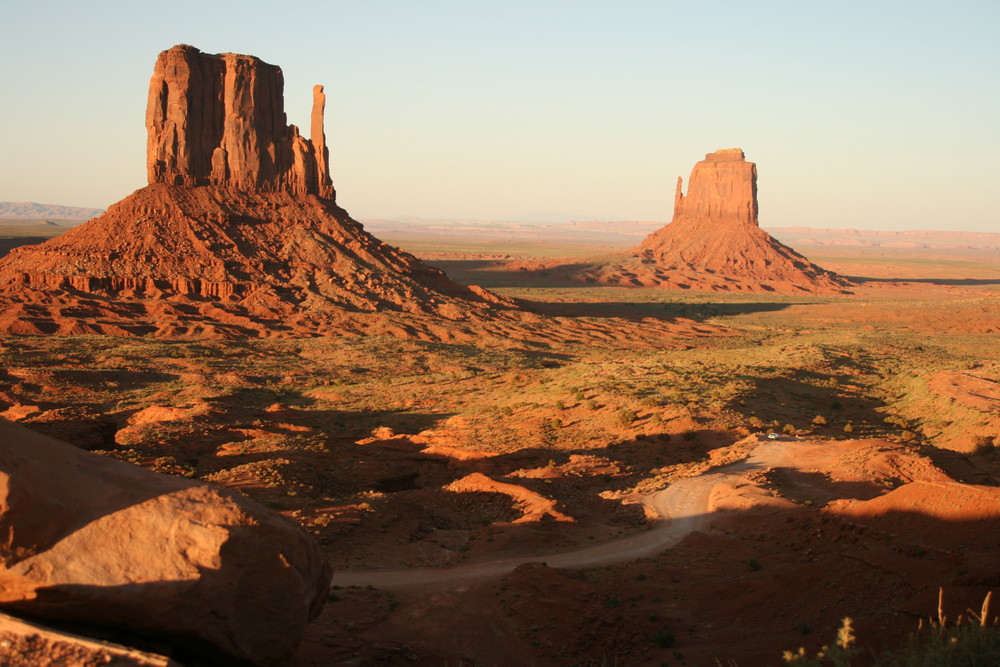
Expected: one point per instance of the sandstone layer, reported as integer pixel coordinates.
(103, 543)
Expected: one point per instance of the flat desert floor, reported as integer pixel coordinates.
(555, 502)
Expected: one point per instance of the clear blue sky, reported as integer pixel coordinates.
(872, 114)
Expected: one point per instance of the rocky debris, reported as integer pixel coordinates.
(220, 120)
(102, 543)
(24, 644)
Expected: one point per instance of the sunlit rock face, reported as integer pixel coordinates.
(220, 120)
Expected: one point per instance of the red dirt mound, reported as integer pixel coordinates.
(172, 259)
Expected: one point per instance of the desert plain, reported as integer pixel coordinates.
(425, 458)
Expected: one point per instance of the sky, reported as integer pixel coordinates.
(874, 114)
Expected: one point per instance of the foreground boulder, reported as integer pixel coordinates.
(103, 543)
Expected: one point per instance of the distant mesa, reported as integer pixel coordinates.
(714, 242)
(33, 211)
(237, 234)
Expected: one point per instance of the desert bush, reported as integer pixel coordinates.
(896, 420)
(819, 420)
(756, 422)
(664, 639)
(626, 417)
(838, 654)
(848, 428)
(972, 641)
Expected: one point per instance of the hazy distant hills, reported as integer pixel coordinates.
(811, 236)
(33, 211)
(629, 233)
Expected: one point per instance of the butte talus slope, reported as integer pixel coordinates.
(237, 233)
(714, 241)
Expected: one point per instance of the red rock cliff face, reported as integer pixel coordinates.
(220, 120)
(723, 187)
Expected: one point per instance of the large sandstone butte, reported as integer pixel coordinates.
(713, 242)
(237, 233)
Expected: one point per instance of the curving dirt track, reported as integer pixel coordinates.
(683, 508)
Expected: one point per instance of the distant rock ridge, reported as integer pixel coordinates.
(220, 120)
(29, 210)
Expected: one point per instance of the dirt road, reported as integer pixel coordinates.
(683, 507)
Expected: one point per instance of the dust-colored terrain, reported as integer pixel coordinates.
(401, 454)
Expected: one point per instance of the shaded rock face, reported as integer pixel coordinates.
(220, 120)
(237, 234)
(99, 542)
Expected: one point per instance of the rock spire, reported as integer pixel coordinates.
(220, 120)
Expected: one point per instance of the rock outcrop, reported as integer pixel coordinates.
(25, 644)
(220, 120)
(714, 242)
(102, 543)
(236, 235)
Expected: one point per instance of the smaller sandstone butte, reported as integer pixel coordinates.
(220, 120)
(714, 242)
(715, 231)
